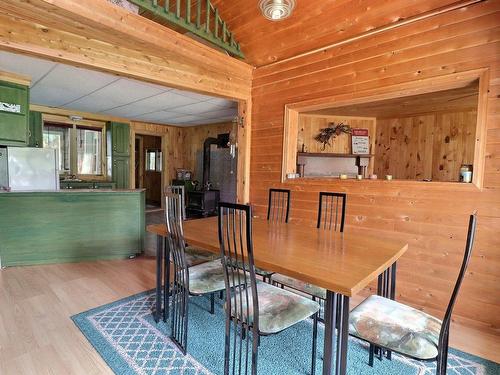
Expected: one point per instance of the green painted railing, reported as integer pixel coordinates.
(198, 16)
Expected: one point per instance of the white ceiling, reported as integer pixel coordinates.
(65, 86)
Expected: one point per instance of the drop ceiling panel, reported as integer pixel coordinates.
(193, 95)
(25, 65)
(116, 94)
(197, 108)
(224, 103)
(151, 104)
(161, 117)
(221, 113)
(65, 86)
(176, 100)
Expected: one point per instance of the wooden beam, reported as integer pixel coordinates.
(15, 78)
(100, 35)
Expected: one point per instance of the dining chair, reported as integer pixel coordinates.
(396, 327)
(278, 211)
(179, 189)
(331, 216)
(194, 254)
(278, 207)
(253, 308)
(196, 280)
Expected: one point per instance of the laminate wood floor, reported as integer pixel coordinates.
(38, 337)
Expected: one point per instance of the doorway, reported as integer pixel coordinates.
(149, 168)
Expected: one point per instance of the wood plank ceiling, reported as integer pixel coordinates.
(311, 25)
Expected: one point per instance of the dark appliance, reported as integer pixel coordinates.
(204, 202)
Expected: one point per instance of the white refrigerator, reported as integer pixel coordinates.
(28, 169)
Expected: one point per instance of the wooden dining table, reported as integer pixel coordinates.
(342, 263)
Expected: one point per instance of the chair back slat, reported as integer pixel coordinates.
(180, 284)
(331, 211)
(179, 189)
(278, 208)
(242, 318)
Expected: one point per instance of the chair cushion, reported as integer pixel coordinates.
(301, 286)
(206, 277)
(278, 308)
(196, 255)
(396, 326)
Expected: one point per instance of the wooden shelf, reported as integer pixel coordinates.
(333, 155)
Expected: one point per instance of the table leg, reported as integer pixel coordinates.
(342, 335)
(166, 286)
(330, 323)
(159, 274)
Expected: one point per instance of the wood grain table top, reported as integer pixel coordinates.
(341, 262)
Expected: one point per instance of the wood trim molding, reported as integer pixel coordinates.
(15, 78)
(446, 82)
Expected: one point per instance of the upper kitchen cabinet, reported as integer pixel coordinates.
(14, 109)
(35, 134)
(120, 135)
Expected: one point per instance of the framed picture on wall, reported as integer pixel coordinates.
(360, 142)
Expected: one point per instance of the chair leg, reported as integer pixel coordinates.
(372, 354)
(442, 359)
(255, 350)
(314, 343)
(212, 303)
(227, 343)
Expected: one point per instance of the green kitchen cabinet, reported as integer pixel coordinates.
(14, 109)
(118, 152)
(120, 138)
(121, 172)
(35, 129)
(104, 185)
(76, 185)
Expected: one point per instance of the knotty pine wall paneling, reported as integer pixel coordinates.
(194, 136)
(432, 217)
(311, 125)
(431, 146)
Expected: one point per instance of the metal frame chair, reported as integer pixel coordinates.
(242, 293)
(331, 216)
(442, 342)
(330, 201)
(179, 189)
(278, 207)
(179, 290)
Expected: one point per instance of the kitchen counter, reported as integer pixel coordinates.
(70, 225)
(70, 191)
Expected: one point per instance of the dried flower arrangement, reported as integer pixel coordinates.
(333, 130)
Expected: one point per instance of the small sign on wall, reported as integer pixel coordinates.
(10, 107)
(360, 142)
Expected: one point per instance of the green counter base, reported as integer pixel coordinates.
(74, 226)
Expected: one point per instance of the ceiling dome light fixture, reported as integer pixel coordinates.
(276, 10)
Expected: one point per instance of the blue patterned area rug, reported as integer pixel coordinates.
(126, 336)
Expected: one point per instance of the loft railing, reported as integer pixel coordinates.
(199, 17)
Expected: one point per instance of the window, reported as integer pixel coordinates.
(153, 160)
(58, 137)
(80, 148)
(89, 148)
